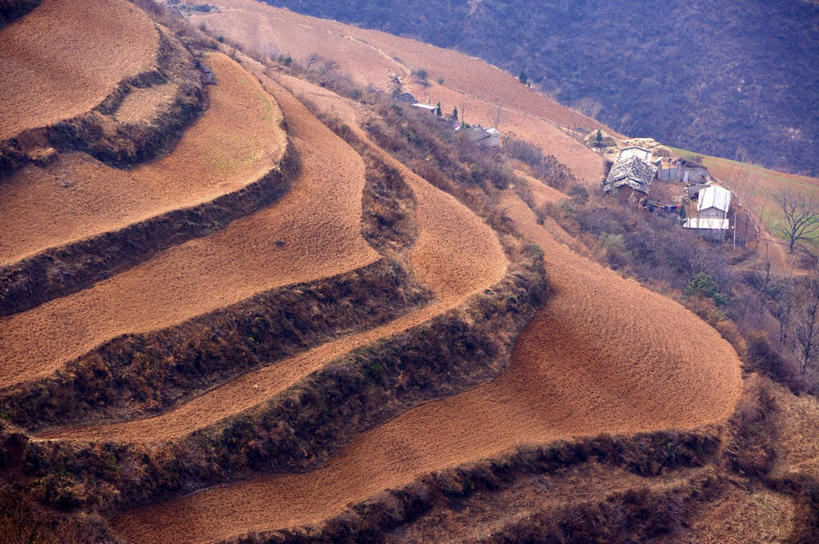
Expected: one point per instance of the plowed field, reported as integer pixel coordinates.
(606, 355)
(456, 255)
(317, 225)
(66, 56)
(79, 196)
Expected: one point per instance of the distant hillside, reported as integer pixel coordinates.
(735, 79)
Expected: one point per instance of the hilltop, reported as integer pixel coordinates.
(736, 80)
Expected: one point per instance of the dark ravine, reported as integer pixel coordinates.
(11, 10)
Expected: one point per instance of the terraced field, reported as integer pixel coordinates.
(79, 197)
(66, 56)
(316, 224)
(477, 89)
(247, 361)
(577, 370)
(448, 234)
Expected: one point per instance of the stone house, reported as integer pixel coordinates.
(631, 169)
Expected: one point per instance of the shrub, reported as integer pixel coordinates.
(579, 194)
(762, 358)
(703, 284)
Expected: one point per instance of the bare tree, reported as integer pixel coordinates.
(801, 218)
(312, 59)
(806, 329)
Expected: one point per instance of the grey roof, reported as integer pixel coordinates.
(477, 132)
(714, 197)
(630, 172)
(635, 151)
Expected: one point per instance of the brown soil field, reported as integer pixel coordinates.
(141, 104)
(371, 57)
(606, 355)
(456, 255)
(78, 196)
(66, 56)
(318, 227)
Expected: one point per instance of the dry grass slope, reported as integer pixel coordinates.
(371, 57)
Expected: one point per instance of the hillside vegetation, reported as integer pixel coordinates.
(735, 80)
(314, 313)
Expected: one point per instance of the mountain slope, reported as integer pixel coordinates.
(724, 79)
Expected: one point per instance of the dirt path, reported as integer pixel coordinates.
(606, 355)
(456, 255)
(66, 56)
(79, 196)
(317, 224)
(476, 88)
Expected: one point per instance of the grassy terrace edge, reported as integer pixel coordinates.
(644, 454)
(134, 375)
(67, 269)
(159, 369)
(129, 144)
(445, 355)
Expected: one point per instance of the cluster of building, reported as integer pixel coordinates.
(635, 170)
(484, 136)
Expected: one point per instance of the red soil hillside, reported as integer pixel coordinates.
(66, 56)
(79, 196)
(317, 224)
(602, 354)
(370, 57)
(606, 355)
(456, 255)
